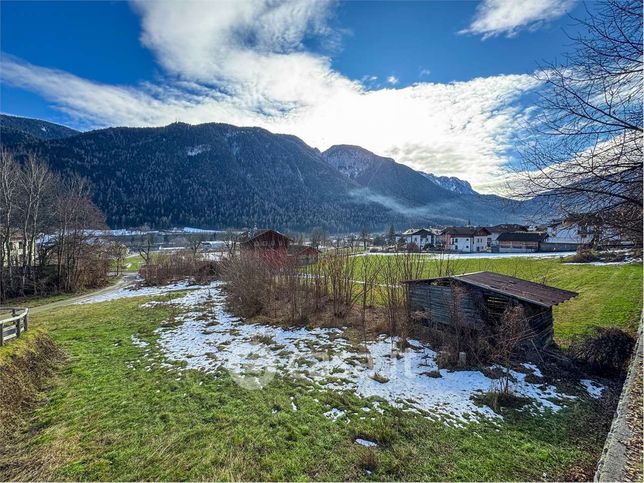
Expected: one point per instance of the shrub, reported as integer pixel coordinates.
(497, 399)
(584, 255)
(604, 351)
(164, 268)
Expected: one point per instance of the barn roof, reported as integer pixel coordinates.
(298, 249)
(532, 292)
(250, 236)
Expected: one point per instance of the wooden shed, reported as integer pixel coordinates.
(481, 298)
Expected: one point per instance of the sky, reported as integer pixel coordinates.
(443, 86)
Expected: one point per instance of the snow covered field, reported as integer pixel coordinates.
(133, 291)
(207, 338)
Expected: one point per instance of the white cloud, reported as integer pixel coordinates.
(392, 79)
(244, 63)
(507, 17)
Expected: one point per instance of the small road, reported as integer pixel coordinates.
(125, 280)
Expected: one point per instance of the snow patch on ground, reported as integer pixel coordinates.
(210, 339)
(366, 443)
(334, 414)
(133, 291)
(594, 389)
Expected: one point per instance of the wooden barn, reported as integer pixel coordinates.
(270, 245)
(481, 298)
(264, 240)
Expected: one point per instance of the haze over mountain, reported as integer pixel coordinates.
(219, 175)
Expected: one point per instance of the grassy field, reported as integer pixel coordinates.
(132, 263)
(609, 295)
(117, 413)
(111, 419)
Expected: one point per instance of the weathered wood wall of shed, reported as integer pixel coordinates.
(443, 305)
(471, 307)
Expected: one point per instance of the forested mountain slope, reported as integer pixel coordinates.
(219, 175)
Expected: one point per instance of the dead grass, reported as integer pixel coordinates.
(26, 372)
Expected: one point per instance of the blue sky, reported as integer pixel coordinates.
(438, 85)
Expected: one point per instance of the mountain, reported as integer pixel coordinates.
(447, 200)
(218, 175)
(451, 183)
(384, 176)
(359, 164)
(17, 130)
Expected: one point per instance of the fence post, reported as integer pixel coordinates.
(17, 328)
(26, 319)
(1, 333)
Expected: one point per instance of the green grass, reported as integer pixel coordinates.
(609, 295)
(111, 419)
(38, 300)
(130, 264)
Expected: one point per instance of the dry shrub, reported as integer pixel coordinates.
(164, 268)
(339, 272)
(247, 281)
(406, 266)
(604, 351)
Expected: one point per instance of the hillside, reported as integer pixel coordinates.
(449, 200)
(17, 130)
(218, 176)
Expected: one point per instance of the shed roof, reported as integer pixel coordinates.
(532, 292)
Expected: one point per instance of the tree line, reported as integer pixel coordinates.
(45, 242)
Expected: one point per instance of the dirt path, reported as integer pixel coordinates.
(125, 280)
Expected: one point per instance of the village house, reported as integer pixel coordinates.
(519, 242)
(496, 230)
(466, 239)
(568, 235)
(15, 250)
(421, 237)
(479, 300)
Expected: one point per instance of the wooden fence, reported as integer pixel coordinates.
(13, 322)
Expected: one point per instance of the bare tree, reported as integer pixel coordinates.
(584, 154)
(195, 242)
(117, 252)
(230, 242)
(9, 173)
(364, 238)
(146, 249)
(37, 187)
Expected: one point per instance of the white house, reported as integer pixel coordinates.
(570, 233)
(419, 237)
(467, 239)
